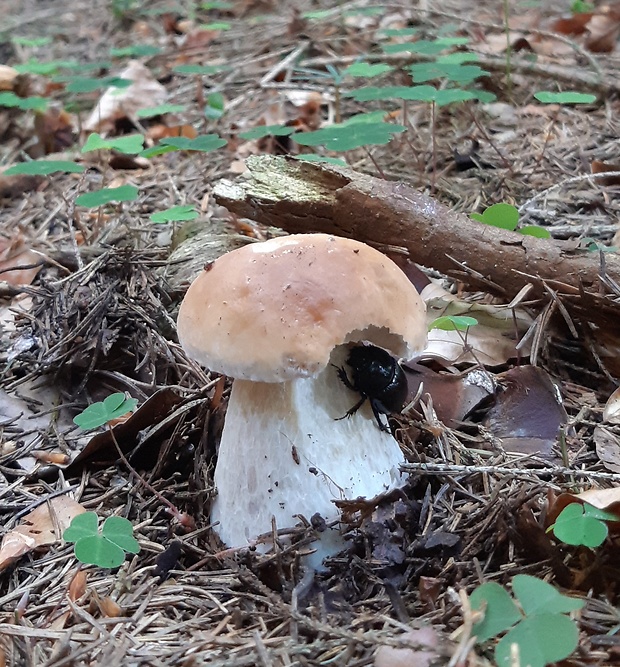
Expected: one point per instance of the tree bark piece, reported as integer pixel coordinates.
(301, 196)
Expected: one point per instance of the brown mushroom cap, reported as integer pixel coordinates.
(275, 310)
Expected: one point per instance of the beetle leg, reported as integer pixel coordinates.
(344, 378)
(353, 410)
(377, 413)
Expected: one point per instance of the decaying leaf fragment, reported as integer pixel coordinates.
(528, 412)
(43, 526)
(144, 92)
(15, 254)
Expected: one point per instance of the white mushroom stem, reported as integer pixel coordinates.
(284, 453)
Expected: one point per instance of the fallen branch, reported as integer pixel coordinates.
(304, 197)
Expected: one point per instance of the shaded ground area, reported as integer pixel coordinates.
(100, 318)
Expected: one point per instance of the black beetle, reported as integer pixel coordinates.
(378, 377)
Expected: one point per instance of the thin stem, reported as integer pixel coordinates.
(508, 46)
(181, 517)
(434, 144)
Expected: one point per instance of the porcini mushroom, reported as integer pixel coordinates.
(279, 317)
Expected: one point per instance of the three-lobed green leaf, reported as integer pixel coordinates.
(175, 214)
(582, 525)
(346, 137)
(107, 195)
(106, 548)
(100, 413)
(540, 630)
(45, 167)
(129, 144)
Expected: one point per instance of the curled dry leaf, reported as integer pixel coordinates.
(14, 253)
(454, 395)
(611, 411)
(7, 77)
(607, 448)
(12, 187)
(116, 103)
(603, 30)
(599, 167)
(43, 526)
(55, 131)
(77, 587)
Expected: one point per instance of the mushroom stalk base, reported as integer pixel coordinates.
(284, 453)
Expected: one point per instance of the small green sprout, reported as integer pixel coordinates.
(198, 69)
(426, 47)
(347, 136)
(506, 216)
(325, 159)
(107, 195)
(175, 214)
(367, 70)
(129, 144)
(566, 97)
(35, 103)
(214, 108)
(160, 110)
(216, 25)
(453, 323)
(261, 131)
(203, 143)
(135, 51)
(45, 167)
(581, 7)
(84, 84)
(102, 412)
(31, 42)
(582, 525)
(106, 548)
(538, 626)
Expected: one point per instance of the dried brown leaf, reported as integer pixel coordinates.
(14, 253)
(116, 103)
(39, 528)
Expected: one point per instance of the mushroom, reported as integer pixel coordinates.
(279, 317)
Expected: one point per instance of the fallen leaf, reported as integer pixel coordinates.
(528, 412)
(116, 103)
(573, 24)
(607, 448)
(603, 31)
(12, 187)
(39, 528)
(492, 341)
(454, 394)
(54, 130)
(14, 253)
(77, 587)
(599, 167)
(158, 132)
(109, 608)
(611, 411)
(424, 650)
(7, 77)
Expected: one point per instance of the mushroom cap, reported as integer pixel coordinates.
(275, 310)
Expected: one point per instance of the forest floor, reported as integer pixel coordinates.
(94, 313)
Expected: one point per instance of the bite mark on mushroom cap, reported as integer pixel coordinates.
(273, 316)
